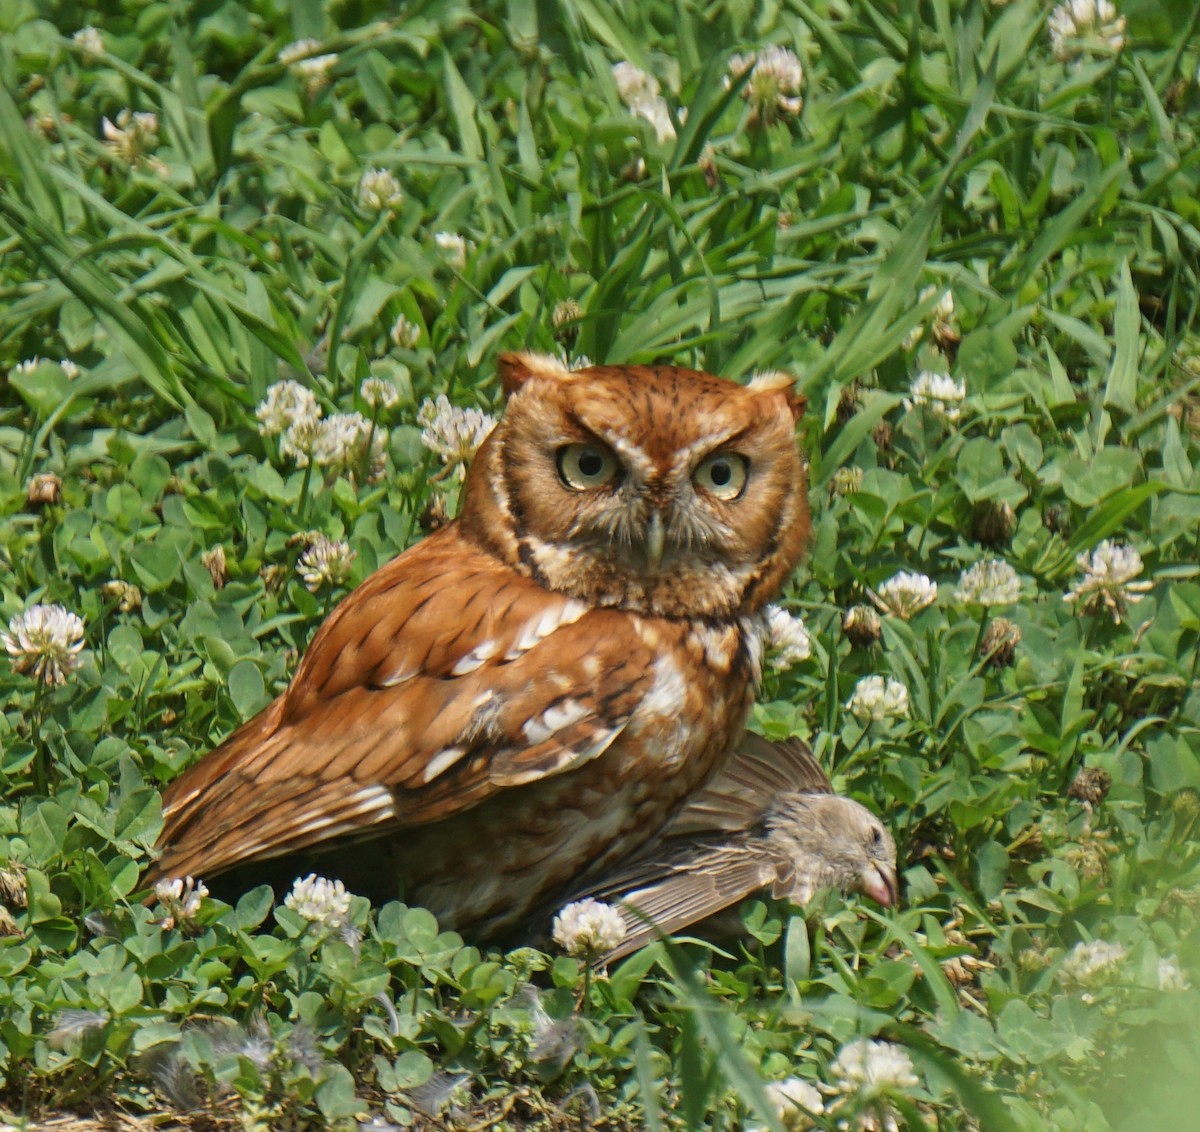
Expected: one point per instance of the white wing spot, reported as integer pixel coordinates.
(442, 762)
(476, 658)
(398, 676)
(369, 805)
(555, 719)
(537, 629)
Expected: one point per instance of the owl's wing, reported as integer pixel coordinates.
(664, 894)
(442, 679)
(754, 776)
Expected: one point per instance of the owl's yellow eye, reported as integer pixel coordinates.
(723, 474)
(584, 466)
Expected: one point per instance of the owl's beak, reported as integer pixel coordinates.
(878, 881)
(655, 540)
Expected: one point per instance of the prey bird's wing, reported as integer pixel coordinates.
(444, 678)
(664, 894)
(717, 850)
(755, 776)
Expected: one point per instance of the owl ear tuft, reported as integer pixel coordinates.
(775, 381)
(518, 368)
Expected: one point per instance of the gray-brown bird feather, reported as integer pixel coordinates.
(770, 820)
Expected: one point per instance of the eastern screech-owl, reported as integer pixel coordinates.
(534, 690)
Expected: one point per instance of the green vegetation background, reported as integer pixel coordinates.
(941, 145)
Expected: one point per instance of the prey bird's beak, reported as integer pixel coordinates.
(655, 540)
(878, 881)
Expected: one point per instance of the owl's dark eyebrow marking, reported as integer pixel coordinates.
(573, 419)
(731, 441)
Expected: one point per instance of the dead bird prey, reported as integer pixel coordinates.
(769, 819)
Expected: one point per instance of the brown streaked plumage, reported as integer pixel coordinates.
(539, 686)
(769, 820)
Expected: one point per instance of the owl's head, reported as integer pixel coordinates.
(650, 488)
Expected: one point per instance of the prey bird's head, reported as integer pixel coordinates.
(835, 843)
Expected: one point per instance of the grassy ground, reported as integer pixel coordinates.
(159, 274)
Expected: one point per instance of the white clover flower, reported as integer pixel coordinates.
(876, 699)
(939, 392)
(285, 403)
(378, 190)
(588, 927)
(454, 247)
(1079, 26)
(404, 334)
(180, 899)
(1108, 579)
(366, 447)
(91, 40)
(871, 1067)
(378, 394)
(132, 136)
(320, 901)
(792, 1100)
(300, 49)
(773, 89)
(311, 69)
(788, 636)
(1087, 964)
(640, 92)
(943, 309)
(658, 114)
(633, 83)
(451, 433)
(326, 562)
(905, 594)
(990, 582)
(45, 641)
(342, 442)
(1170, 976)
(941, 317)
(68, 367)
(339, 442)
(302, 441)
